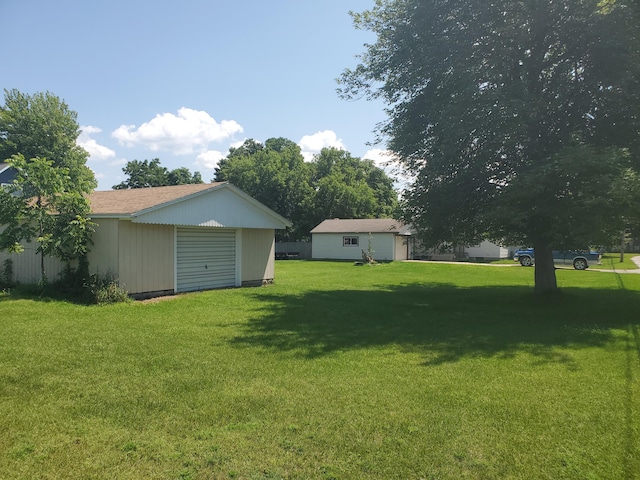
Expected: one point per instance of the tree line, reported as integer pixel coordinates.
(334, 185)
(149, 173)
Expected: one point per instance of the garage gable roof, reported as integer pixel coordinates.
(214, 204)
(130, 201)
(362, 225)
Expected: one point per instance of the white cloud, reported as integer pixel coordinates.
(313, 144)
(96, 151)
(239, 143)
(182, 134)
(89, 129)
(209, 159)
(382, 158)
(387, 161)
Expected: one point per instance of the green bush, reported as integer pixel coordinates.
(106, 289)
(72, 282)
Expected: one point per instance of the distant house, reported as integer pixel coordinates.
(7, 174)
(481, 252)
(181, 238)
(487, 250)
(343, 239)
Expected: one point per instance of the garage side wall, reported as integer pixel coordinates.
(258, 256)
(402, 248)
(103, 254)
(487, 250)
(146, 257)
(26, 265)
(332, 246)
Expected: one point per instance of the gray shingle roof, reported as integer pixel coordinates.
(362, 225)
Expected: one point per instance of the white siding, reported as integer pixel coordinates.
(258, 253)
(26, 265)
(220, 208)
(103, 257)
(145, 257)
(330, 246)
(205, 259)
(103, 254)
(401, 247)
(487, 249)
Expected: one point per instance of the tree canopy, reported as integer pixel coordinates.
(43, 126)
(46, 201)
(152, 174)
(516, 120)
(334, 184)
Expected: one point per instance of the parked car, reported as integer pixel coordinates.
(578, 258)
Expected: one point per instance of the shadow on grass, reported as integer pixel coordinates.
(443, 322)
(49, 294)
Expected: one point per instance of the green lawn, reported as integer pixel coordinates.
(611, 261)
(395, 371)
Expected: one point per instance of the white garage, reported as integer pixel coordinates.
(347, 239)
(164, 240)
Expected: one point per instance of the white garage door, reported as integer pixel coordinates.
(206, 259)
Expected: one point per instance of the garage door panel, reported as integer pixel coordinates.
(206, 259)
(201, 259)
(206, 255)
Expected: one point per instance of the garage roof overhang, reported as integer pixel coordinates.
(204, 205)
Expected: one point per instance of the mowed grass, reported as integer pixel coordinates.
(395, 371)
(611, 261)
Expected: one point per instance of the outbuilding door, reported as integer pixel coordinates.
(206, 259)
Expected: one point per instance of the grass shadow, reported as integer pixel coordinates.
(443, 322)
(49, 294)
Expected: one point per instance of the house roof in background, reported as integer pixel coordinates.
(128, 202)
(362, 225)
(7, 173)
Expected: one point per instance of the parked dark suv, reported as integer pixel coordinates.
(578, 258)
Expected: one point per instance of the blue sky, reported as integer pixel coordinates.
(184, 81)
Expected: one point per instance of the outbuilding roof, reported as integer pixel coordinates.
(205, 204)
(362, 225)
(128, 202)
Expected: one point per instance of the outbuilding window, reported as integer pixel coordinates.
(350, 241)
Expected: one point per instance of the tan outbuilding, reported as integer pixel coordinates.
(183, 238)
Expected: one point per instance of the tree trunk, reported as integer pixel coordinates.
(545, 271)
(622, 242)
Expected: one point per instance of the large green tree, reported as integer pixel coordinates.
(348, 187)
(516, 119)
(47, 202)
(334, 184)
(276, 175)
(149, 173)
